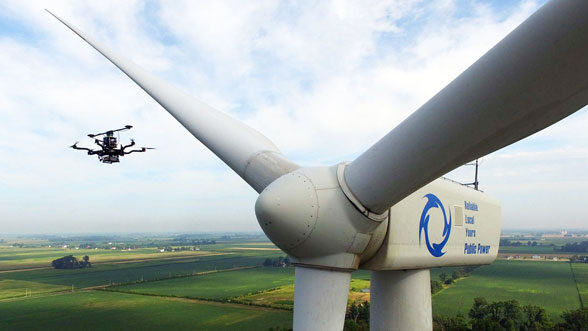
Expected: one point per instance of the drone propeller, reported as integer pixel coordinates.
(127, 127)
(74, 145)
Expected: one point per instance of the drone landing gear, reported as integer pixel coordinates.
(108, 159)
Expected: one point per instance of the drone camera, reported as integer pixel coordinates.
(109, 142)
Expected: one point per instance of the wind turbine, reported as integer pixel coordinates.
(388, 211)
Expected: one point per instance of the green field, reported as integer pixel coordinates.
(546, 284)
(529, 250)
(100, 310)
(220, 285)
(581, 273)
(19, 288)
(104, 274)
(20, 258)
(164, 290)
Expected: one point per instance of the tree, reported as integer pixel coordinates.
(357, 317)
(70, 262)
(66, 262)
(436, 286)
(536, 318)
(575, 319)
(358, 311)
(477, 311)
(457, 274)
(456, 323)
(443, 277)
(87, 263)
(507, 315)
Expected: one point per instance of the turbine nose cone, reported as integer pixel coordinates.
(287, 210)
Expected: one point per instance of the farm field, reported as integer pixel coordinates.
(220, 285)
(10, 288)
(529, 250)
(581, 274)
(283, 297)
(17, 258)
(102, 310)
(106, 274)
(188, 291)
(547, 284)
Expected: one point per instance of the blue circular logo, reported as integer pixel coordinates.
(434, 248)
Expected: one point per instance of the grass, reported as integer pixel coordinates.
(101, 310)
(546, 284)
(221, 285)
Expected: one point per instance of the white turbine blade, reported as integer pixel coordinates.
(250, 154)
(534, 77)
(320, 299)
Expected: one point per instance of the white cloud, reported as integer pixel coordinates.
(323, 80)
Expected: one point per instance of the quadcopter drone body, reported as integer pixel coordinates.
(110, 150)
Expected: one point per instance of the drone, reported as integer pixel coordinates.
(110, 152)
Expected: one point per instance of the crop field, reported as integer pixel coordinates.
(18, 288)
(102, 310)
(17, 258)
(581, 274)
(529, 250)
(547, 284)
(226, 287)
(220, 285)
(105, 274)
(283, 297)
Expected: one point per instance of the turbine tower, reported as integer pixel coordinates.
(388, 211)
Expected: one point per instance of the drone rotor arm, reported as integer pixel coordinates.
(134, 151)
(75, 146)
(129, 145)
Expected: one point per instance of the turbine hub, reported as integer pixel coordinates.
(306, 214)
(287, 210)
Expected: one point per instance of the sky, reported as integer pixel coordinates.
(324, 80)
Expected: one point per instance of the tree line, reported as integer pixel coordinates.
(448, 279)
(484, 315)
(281, 261)
(577, 247)
(508, 242)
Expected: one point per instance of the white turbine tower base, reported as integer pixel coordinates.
(320, 296)
(401, 300)
(388, 210)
